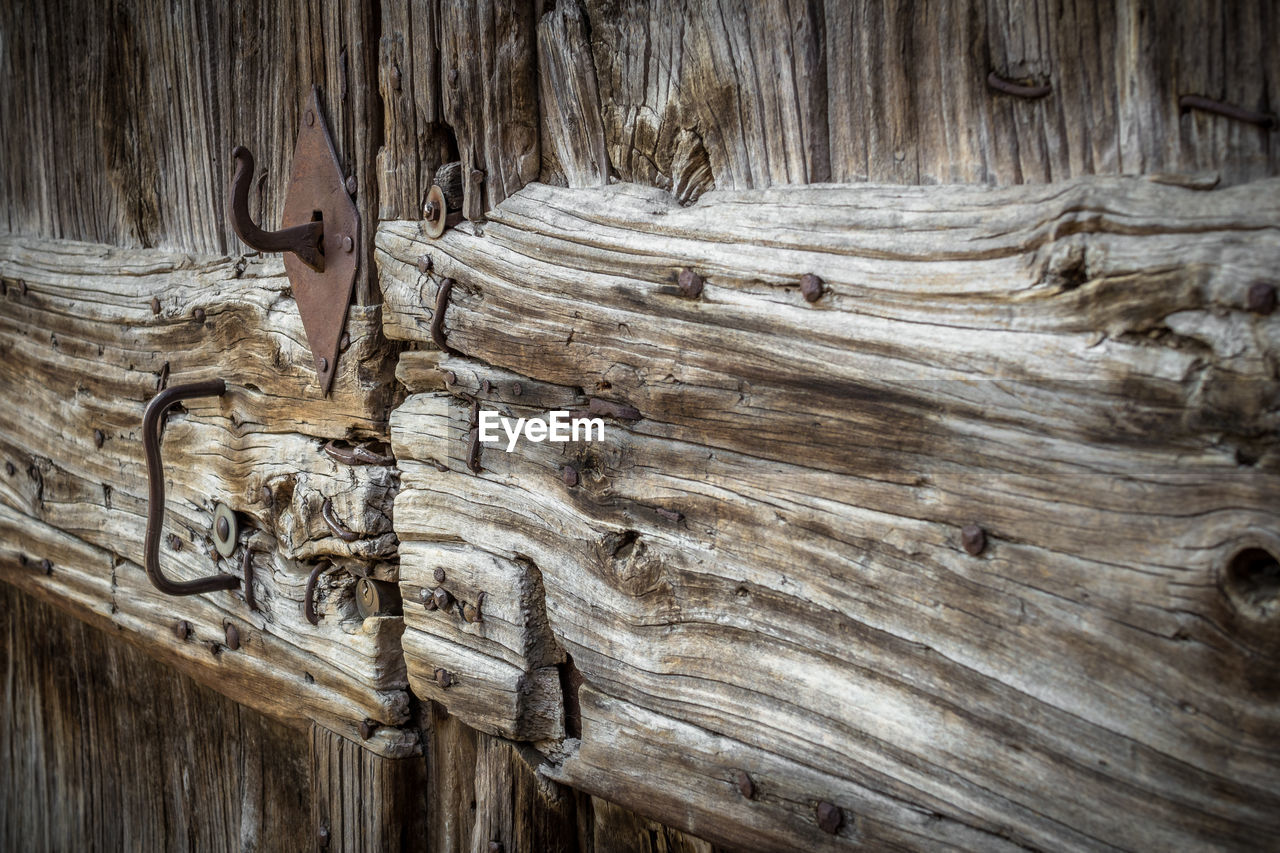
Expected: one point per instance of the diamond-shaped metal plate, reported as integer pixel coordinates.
(317, 189)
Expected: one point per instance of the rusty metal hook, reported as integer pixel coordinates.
(305, 241)
(151, 420)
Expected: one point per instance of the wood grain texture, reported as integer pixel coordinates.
(763, 570)
(573, 148)
(138, 105)
(103, 748)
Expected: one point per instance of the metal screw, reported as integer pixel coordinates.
(344, 342)
(367, 728)
(517, 389)
(570, 475)
(98, 438)
(351, 184)
(233, 637)
(973, 538)
(439, 574)
(830, 818)
(395, 77)
(443, 598)
(10, 469)
(324, 364)
(348, 244)
(311, 118)
(746, 787)
(182, 630)
(443, 677)
(427, 599)
(155, 305)
(810, 287)
(224, 529)
(477, 176)
(46, 566)
(690, 283)
(424, 261)
(1262, 298)
(198, 314)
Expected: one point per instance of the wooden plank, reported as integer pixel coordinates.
(146, 160)
(103, 748)
(573, 144)
(769, 551)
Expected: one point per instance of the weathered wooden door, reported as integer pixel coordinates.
(935, 354)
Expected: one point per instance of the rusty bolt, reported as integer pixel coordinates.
(324, 364)
(690, 283)
(438, 574)
(46, 566)
(344, 342)
(198, 314)
(427, 599)
(233, 637)
(155, 305)
(10, 469)
(746, 787)
(973, 538)
(477, 176)
(351, 184)
(348, 244)
(98, 438)
(182, 630)
(424, 263)
(443, 677)
(367, 728)
(1262, 298)
(830, 818)
(471, 612)
(442, 597)
(570, 475)
(224, 529)
(395, 77)
(322, 834)
(810, 287)
(311, 118)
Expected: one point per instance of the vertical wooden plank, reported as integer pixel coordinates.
(516, 807)
(573, 147)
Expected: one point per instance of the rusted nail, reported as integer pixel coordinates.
(309, 598)
(516, 389)
(438, 574)
(486, 387)
(477, 176)
(214, 648)
(690, 283)
(367, 728)
(1008, 87)
(570, 475)
(1266, 121)
(339, 530)
(311, 118)
(98, 438)
(473, 446)
(324, 364)
(424, 261)
(471, 612)
(46, 566)
(746, 787)
(223, 527)
(10, 469)
(1262, 298)
(442, 598)
(351, 185)
(810, 287)
(670, 514)
(344, 342)
(610, 409)
(246, 570)
(830, 817)
(428, 600)
(443, 677)
(450, 377)
(155, 305)
(395, 77)
(356, 455)
(175, 544)
(162, 378)
(198, 315)
(182, 630)
(973, 538)
(322, 834)
(437, 319)
(233, 636)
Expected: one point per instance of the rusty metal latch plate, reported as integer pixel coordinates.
(317, 190)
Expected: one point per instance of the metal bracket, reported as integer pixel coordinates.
(321, 261)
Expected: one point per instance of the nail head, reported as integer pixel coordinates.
(477, 176)
(46, 566)
(348, 244)
(424, 261)
(570, 475)
(98, 438)
(438, 574)
(367, 728)
(442, 597)
(324, 364)
(746, 787)
(830, 817)
(10, 469)
(344, 342)
(155, 305)
(1262, 298)
(973, 538)
(351, 184)
(690, 283)
(311, 118)
(198, 314)
(233, 637)
(443, 677)
(182, 630)
(811, 287)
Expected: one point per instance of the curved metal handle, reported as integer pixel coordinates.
(305, 240)
(151, 419)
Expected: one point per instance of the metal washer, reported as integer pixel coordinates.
(224, 545)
